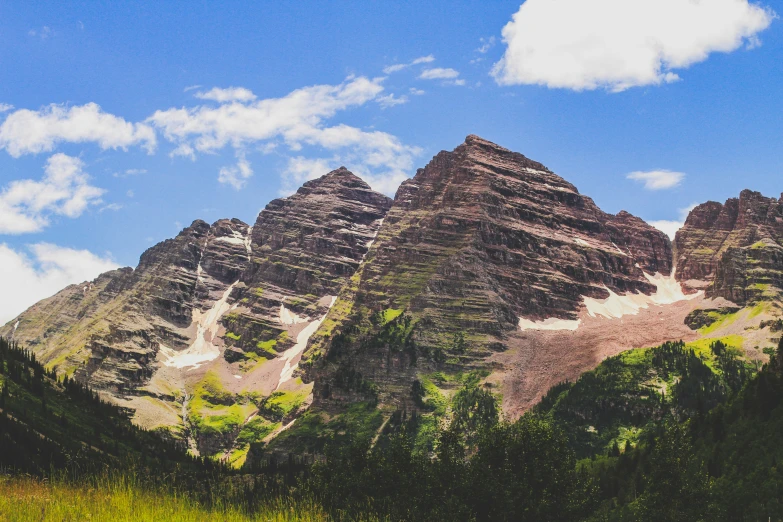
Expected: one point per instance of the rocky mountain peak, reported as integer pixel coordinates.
(337, 179)
(477, 241)
(734, 249)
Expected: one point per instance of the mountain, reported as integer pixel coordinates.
(340, 311)
(212, 321)
(490, 264)
(735, 249)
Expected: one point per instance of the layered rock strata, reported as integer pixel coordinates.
(735, 249)
(212, 322)
(479, 240)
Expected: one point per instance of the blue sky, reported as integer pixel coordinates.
(133, 120)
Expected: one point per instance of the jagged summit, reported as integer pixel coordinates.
(734, 249)
(340, 178)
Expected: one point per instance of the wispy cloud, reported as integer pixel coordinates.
(43, 33)
(439, 73)
(390, 100)
(129, 172)
(389, 69)
(229, 94)
(657, 179)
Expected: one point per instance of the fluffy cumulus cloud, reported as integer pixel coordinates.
(41, 271)
(27, 205)
(618, 44)
(657, 179)
(230, 118)
(297, 120)
(30, 132)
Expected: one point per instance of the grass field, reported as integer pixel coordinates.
(117, 499)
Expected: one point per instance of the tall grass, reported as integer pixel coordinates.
(118, 498)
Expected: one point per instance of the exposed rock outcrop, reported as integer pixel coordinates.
(479, 238)
(734, 249)
(214, 312)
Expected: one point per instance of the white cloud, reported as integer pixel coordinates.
(302, 169)
(486, 44)
(617, 44)
(237, 175)
(416, 92)
(670, 227)
(130, 194)
(439, 73)
(297, 119)
(26, 279)
(31, 132)
(390, 100)
(191, 88)
(657, 179)
(43, 33)
(26, 205)
(5, 107)
(111, 206)
(228, 94)
(129, 172)
(389, 69)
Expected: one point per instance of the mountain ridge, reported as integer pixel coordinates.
(485, 263)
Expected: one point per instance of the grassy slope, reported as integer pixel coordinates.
(615, 402)
(23, 499)
(49, 424)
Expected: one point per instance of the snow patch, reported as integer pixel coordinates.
(581, 242)
(249, 240)
(667, 291)
(236, 239)
(202, 349)
(288, 317)
(16, 325)
(620, 251)
(552, 323)
(237, 376)
(375, 235)
(301, 343)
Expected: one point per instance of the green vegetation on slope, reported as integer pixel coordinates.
(117, 499)
(610, 406)
(46, 424)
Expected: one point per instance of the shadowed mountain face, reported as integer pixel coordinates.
(735, 249)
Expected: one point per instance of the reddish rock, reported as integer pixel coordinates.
(735, 248)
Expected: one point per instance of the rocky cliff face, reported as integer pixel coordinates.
(209, 323)
(734, 250)
(479, 240)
